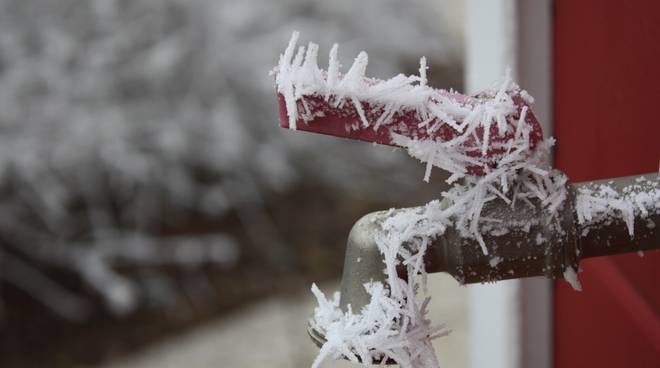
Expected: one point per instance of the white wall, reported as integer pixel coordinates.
(511, 321)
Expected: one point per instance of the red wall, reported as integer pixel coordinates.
(607, 124)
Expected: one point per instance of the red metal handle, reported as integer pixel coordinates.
(321, 116)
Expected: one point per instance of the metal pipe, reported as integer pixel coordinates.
(613, 237)
(543, 249)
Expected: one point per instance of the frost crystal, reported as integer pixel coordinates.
(571, 277)
(492, 146)
(601, 204)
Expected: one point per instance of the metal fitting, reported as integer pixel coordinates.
(545, 248)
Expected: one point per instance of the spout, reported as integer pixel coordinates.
(363, 262)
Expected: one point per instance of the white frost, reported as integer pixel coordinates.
(379, 331)
(297, 77)
(601, 204)
(572, 278)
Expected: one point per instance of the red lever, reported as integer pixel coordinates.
(483, 128)
(345, 121)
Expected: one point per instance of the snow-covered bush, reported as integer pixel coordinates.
(119, 119)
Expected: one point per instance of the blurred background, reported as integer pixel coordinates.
(152, 213)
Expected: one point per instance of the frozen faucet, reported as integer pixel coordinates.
(491, 139)
(543, 250)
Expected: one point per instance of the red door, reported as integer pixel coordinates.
(607, 124)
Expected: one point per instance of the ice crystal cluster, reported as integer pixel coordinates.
(601, 204)
(393, 325)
